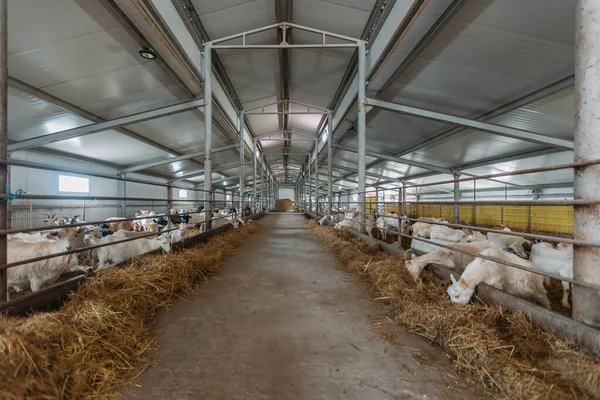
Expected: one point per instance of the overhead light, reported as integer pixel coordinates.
(148, 54)
(352, 129)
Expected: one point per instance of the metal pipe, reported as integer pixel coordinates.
(317, 175)
(329, 159)
(456, 197)
(586, 186)
(27, 164)
(309, 182)
(362, 134)
(105, 125)
(475, 124)
(254, 177)
(403, 198)
(170, 160)
(169, 205)
(262, 183)
(3, 146)
(242, 161)
(208, 108)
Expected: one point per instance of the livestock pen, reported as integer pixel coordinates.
(450, 146)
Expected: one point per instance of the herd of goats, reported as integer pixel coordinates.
(496, 250)
(111, 242)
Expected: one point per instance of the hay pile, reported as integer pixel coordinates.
(499, 352)
(283, 205)
(101, 337)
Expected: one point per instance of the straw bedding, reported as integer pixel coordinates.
(101, 338)
(499, 352)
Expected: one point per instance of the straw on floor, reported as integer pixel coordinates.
(101, 338)
(501, 353)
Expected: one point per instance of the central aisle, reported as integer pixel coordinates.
(283, 321)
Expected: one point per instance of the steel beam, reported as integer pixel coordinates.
(513, 105)
(586, 227)
(329, 159)
(400, 160)
(201, 173)
(4, 169)
(473, 124)
(362, 135)
(284, 26)
(242, 151)
(208, 120)
(83, 113)
(106, 125)
(151, 164)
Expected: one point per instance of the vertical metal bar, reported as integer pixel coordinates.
(262, 183)
(208, 108)
(456, 197)
(3, 146)
(169, 205)
(122, 191)
(586, 302)
(242, 161)
(317, 175)
(255, 163)
(474, 203)
(404, 198)
(377, 200)
(329, 159)
(362, 134)
(309, 182)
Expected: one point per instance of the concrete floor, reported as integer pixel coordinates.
(283, 321)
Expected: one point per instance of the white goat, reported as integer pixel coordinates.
(446, 257)
(557, 260)
(46, 271)
(421, 229)
(444, 233)
(508, 242)
(385, 223)
(119, 252)
(512, 280)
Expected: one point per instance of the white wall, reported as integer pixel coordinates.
(26, 213)
(286, 193)
(31, 213)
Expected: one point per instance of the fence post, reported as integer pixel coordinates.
(586, 226)
(3, 147)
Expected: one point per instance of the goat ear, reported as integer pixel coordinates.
(413, 256)
(452, 278)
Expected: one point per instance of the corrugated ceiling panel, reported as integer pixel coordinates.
(121, 149)
(343, 18)
(220, 20)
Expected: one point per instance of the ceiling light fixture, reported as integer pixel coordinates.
(148, 54)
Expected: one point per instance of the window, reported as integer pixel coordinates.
(73, 184)
(183, 193)
(325, 135)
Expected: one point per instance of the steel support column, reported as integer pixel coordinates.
(317, 175)
(309, 182)
(329, 159)
(3, 146)
(362, 134)
(254, 177)
(208, 108)
(262, 183)
(242, 161)
(586, 302)
(456, 197)
(404, 198)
